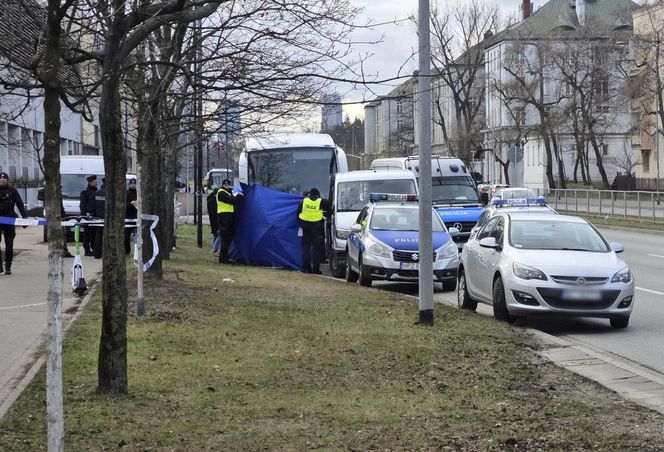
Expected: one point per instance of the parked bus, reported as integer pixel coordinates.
(291, 162)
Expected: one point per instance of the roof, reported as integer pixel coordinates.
(282, 140)
(373, 175)
(405, 89)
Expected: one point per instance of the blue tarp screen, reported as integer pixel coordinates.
(266, 229)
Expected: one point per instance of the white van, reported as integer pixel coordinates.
(349, 193)
(74, 171)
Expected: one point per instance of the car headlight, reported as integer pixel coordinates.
(450, 249)
(526, 272)
(623, 276)
(343, 233)
(375, 247)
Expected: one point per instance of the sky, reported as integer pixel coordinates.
(389, 58)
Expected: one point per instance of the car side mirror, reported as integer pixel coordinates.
(454, 232)
(489, 242)
(356, 228)
(40, 194)
(617, 247)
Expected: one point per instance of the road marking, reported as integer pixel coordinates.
(22, 306)
(656, 255)
(649, 291)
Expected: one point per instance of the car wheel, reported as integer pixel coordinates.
(499, 304)
(464, 300)
(336, 269)
(351, 276)
(365, 279)
(449, 286)
(619, 322)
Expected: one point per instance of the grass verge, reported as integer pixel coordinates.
(240, 358)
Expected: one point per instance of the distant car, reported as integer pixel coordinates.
(514, 193)
(541, 264)
(484, 188)
(497, 187)
(534, 205)
(384, 244)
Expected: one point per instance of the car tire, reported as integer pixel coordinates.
(365, 279)
(449, 286)
(619, 323)
(336, 269)
(464, 300)
(499, 304)
(351, 276)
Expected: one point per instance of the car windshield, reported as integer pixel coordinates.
(401, 219)
(352, 196)
(453, 190)
(556, 235)
(74, 184)
(516, 193)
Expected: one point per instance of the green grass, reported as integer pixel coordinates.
(280, 360)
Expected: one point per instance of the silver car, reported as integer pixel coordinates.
(528, 264)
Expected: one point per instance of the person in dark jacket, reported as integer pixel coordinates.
(130, 213)
(98, 212)
(87, 207)
(214, 219)
(311, 215)
(9, 200)
(226, 203)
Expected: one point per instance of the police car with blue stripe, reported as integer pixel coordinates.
(384, 243)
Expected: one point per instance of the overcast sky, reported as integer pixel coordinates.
(387, 58)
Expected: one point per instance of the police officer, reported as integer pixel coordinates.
(130, 213)
(226, 203)
(310, 215)
(9, 199)
(214, 219)
(98, 211)
(87, 207)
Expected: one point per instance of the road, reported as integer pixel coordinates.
(642, 341)
(23, 305)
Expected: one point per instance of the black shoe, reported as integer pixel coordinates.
(8, 270)
(89, 253)
(317, 272)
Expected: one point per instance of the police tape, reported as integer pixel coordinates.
(96, 222)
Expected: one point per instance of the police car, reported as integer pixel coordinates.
(384, 243)
(497, 205)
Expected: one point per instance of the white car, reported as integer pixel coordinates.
(528, 264)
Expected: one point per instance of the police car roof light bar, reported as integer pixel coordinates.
(540, 201)
(376, 197)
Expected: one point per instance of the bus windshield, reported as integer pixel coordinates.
(293, 170)
(454, 190)
(353, 195)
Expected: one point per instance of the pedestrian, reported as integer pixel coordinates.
(98, 212)
(87, 208)
(131, 213)
(214, 219)
(310, 216)
(9, 201)
(226, 203)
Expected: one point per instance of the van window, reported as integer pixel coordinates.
(74, 184)
(454, 190)
(352, 196)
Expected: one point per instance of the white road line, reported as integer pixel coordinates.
(656, 255)
(649, 291)
(22, 306)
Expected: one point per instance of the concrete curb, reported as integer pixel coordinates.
(30, 375)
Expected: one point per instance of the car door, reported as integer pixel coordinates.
(490, 259)
(355, 239)
(477, 279)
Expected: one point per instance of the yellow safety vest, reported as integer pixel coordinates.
(311, 210)
(224, 207)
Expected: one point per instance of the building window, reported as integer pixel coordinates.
(605, 150)
(36, 173)
(645, 160)
(399, 107)
(520, 116)
(24, 173)
(12, 173)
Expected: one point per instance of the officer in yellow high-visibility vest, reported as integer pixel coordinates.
(226, 203)
(311, 217)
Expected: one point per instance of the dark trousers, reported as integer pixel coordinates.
(127, 239)
(312, 244)
(89, 240)
(9, 232)
(226, 233)
(99, 238)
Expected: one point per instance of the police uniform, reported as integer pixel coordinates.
(98, 211)
(310, 215)
(87, 208)
(226, 203)
(130, 213)
(9, 199)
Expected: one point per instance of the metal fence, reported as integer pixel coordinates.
(634, 205)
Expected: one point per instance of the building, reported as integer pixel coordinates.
(331, 112)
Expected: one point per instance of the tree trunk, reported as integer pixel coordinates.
(112, 366)
(599, 160)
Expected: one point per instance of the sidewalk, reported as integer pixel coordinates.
(23, 306)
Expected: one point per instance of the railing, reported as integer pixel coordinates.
(632, 205)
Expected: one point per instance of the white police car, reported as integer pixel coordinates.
(384, 243)
(497, 205)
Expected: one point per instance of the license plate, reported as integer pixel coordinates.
(581, 295)
(409, 266)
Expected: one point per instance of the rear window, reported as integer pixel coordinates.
(352, 196)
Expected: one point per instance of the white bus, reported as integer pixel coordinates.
(291, 162)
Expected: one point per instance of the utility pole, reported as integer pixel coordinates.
(140, 300)
(426, 246)
(199, 142)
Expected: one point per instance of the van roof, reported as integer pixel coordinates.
(373, 175)
(82, 164)
(283, 140)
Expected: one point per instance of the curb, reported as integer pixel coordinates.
(30, 375)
